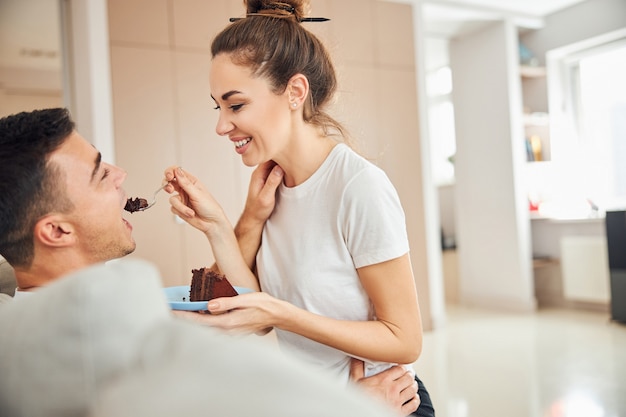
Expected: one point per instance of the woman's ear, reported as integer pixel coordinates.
(52, 230)
(298, 88)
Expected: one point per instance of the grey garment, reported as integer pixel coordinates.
(7, 278)
(61, 344)
(103, 342)
(191, 371)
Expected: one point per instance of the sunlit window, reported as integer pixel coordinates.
(588, 119)
(441, 124)
(601, 109)
(439, 82)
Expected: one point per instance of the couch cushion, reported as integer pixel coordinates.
(187, 370)
(59, 345)
(103, 342)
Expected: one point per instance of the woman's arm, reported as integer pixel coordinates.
(396, 335)
(194, 204)
(260, 203)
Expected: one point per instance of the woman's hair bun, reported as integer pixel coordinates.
(296, 8)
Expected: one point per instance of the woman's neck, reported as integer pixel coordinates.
(304, 158)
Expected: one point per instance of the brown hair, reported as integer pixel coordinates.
(274, 44)
(31, 186)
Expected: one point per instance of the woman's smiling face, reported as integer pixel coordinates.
(256, 119)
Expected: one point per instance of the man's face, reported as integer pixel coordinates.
(95, 189)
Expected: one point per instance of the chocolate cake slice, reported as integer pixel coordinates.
(135, 204)
(207, 285)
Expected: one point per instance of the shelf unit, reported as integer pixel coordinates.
(527, 71)
(536, 124)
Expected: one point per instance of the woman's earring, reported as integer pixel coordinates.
(294, 105)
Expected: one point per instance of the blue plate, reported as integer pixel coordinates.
(178, 297)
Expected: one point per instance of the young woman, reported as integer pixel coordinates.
(333, 265)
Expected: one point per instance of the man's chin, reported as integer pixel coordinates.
(124, 250)
(130, 249)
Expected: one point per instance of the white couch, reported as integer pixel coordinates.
(103, 342)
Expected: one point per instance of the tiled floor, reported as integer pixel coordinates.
(554, 363)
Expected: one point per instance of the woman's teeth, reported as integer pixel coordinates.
(240, 143)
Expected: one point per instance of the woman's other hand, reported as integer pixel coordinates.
(242, 314)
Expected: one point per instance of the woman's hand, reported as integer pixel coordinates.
(261, 198)
(192, 203)
(260, 203)
(243, 314)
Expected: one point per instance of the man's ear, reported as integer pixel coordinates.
(298, 87)
(53, 230)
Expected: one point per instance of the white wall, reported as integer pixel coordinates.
(493, 230)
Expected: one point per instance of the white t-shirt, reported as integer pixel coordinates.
(347, 215)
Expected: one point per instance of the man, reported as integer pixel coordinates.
(61, 212)
(61, 204)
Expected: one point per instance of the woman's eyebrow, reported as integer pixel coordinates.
(227, 95)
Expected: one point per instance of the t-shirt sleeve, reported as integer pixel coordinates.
(374, 225)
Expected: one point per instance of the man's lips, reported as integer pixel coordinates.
(123, 201)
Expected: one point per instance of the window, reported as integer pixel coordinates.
(600, 107)
(441, 124)
(587, 95)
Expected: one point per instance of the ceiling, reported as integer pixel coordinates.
(528, 7)
(452, 18)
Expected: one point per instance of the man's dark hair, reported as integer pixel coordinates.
(30, 187)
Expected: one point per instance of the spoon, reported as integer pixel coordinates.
(141, 204)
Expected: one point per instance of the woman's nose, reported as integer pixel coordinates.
(223, 125)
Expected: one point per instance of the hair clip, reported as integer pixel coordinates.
(304, 19)
(314, 19)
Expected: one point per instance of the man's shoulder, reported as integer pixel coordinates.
(7, 278)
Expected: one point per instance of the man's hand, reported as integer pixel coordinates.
(395, 386)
